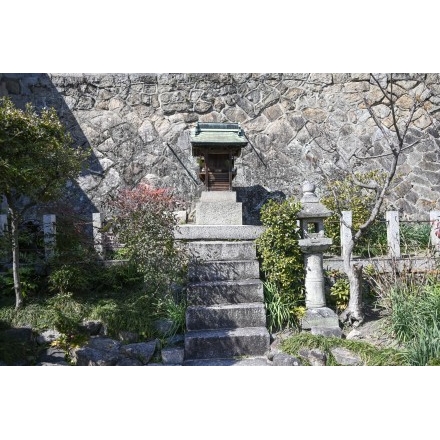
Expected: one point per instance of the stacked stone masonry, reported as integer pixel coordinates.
(138, 127)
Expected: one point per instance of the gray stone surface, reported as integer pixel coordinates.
(219, 213)
(173, 355)
(225, 316)
(218, 232)
(222, 250)
(345, 357)
(225, 292)
(224, 270)
(320, 317)
(226, 343)
(257, 361)
(132, 121)
(327, 331)
(285, 360)
(142, 351)
(316, 357)
(48, 336)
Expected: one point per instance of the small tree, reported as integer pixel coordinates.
(144, 223)
(347, 163)
(36, 160)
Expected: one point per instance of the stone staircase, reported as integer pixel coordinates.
(226, 318)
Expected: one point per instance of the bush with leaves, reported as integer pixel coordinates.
(344, 195)
(143, 220)
(282, 262)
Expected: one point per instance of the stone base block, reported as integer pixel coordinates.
(222, 250)
(219, 213)
(225, 316)
(224, 270)
(320, 317)
(226, 343)
(225, 292)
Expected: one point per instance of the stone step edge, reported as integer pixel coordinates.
(248, 305)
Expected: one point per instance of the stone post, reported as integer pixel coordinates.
(346, 223)
(393, 233)
(49, 230)
(97, 233)
(434, 218)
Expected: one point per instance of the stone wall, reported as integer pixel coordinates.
(138, 126)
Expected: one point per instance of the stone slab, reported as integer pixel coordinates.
(224, 270)
(219, 213)
(226, 343)
(225, 292)
(217, 232)
(319, 317)
(222, 250)
(225, 316)
(218, 196)
(257, 361)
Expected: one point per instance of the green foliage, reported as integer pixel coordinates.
(68, 279)
(345, 195)
(144, 222)
(282, 311)
(370, 355)
(282, 262)
(36, 156)
(339, 292)
(67, 313)
(414, 238)
(32, 282)
(36, 160)
(412, 303)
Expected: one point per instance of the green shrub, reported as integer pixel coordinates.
(282, 262)
(143, 220)
(339, 292)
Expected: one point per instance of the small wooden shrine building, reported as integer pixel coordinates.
(217, 145)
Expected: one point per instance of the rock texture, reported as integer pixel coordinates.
(138, 127)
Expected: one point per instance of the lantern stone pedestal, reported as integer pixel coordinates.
(318, 318)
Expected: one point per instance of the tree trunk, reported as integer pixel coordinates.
(15, 258)
(354, 311)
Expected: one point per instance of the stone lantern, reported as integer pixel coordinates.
(313, 244)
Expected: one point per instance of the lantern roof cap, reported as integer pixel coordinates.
(311, 206)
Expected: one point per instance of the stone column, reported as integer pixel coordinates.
(393, 233)
(434, 218)
(49, 230)
(314, 282)
(97, 234)
(346, 223)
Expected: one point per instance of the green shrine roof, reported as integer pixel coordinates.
(215, 133)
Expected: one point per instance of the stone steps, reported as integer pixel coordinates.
(225, 316)
(226, 343)
(224, 270)
(225, 292)
(255, 361)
